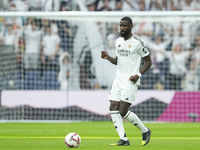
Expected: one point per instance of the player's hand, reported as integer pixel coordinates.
(104, 55)
(134, 78)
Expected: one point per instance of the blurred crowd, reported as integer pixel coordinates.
(38, 43)
(100, 5)
(43, 45)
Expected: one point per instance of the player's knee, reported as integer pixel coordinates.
(114, 106)
(123, 112)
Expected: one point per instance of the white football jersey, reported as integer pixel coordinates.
(129, 55)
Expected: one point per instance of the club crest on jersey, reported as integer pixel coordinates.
(119, 45)
(129, 46)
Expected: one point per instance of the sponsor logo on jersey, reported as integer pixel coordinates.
(123, 52)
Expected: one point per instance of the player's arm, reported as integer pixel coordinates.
(144, 68)
(146, 65)
(105, 55)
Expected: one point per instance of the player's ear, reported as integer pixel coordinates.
(131, 26)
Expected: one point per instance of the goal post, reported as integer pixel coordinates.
(113, 16)
(51, 67)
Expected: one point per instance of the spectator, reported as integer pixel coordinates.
(111, 38)
(32, 47)
(146, 4)
(110, 4)
(181, 38)
(64, 30)
(187, 5)
(50, 49)
(155, 6)
(119, 5)
(191, 81)
(64, 33)
(12, 7)
(45, 23)
(105, 6)
(144, 30)
(178, 4)
(3, 27)
(64, 73)
(18, 5)
(142, 6)
(126, 5)
(159, 29)
(196, 59)
(87, 78)
(195, 4)
(52, 24)
(28, 22)
(16, 23)
(9, 38)
(158, 58)
(132, 5)
(92, 5)
(3, 5)
(188, 30)
(158, 86)
(173, 7)
(102, 29)
(66, 5)
(50, 5)
(165, 5)
(34, 5)
(178, 58)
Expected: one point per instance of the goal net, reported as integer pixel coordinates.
(51, 67)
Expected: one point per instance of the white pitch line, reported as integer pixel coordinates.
(90, 138)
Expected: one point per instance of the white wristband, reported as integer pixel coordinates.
(139, 74)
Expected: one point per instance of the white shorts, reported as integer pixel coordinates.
(123, 91)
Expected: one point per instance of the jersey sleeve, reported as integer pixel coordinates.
(142, 49)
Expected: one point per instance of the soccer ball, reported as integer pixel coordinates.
(72, 140)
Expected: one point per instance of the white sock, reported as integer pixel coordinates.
(118, 123)
(133, 118)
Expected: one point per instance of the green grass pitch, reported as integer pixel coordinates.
(97, 136)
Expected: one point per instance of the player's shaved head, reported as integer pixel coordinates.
(126, 26)
(128, 19)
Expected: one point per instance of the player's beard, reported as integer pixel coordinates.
(125, 34)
